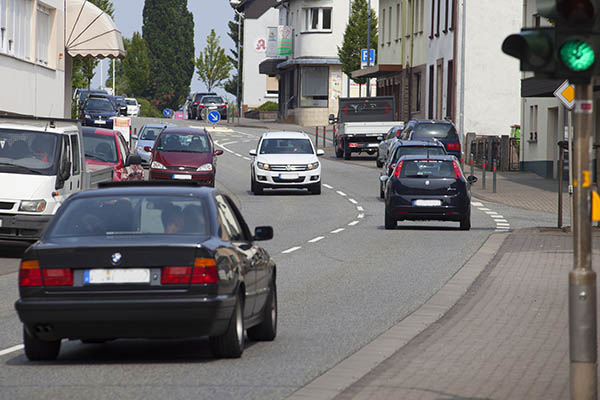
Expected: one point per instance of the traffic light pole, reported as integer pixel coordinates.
(582, 279)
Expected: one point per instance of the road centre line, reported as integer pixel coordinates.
(315, 240)
(341, 193)
(291, 249)
(353, 201)
(327, 186)
(361, 216)
(501, 220)
(337, 230)
(477, 204)
(353, 223)
(496, 216)
(359, 208)
(238, 154)
(491, 212)
(484, 209)
(502, 224)
(246, 158)
(11, 349)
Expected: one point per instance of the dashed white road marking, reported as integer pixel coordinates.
(247, 158)
(291, 249)
(353, 223)
(359, 208)
(361, 216)
(476, 204)
(238, 154)
(327, 186)
(228, 143)
(353, 201)
(337, 230)
(315, 240)
(11, 349)
(341, 193)
(484, 209)
(491, 212)
(502, 224)
(500, 220)
(496, 216)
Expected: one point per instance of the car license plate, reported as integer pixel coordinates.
(212, 108)
(288, 176)
(373, 144)
(180, 176)
(133, 275)
(100, 121)
(427, 203)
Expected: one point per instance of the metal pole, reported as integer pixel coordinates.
(114, 75)
(483, 175)
(570, 128)
(369, 47)
(561, 166)
(582, 279)
(324, 134)
(239, 58)
(472, 162)
(494, 176)
(317, 136)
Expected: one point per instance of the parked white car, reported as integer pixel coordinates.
(133, 107)
(285, 160)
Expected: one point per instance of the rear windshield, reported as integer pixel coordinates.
(211, 99)
(199, 96)
(427, 169)
(440, 131)
(150, 133)
(100, 147)
(365, 110)
(418, 151)
(141, 214)
(286, 146)
(183, 142)
(131, 102)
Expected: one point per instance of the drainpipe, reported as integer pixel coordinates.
(462, 68)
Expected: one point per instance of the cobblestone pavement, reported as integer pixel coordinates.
(506, 339)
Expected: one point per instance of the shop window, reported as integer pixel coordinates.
(314, 86)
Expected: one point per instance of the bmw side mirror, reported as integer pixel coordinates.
(471, 179)
(263, 233)
(384, 178)
(320, 152)
(252, 152)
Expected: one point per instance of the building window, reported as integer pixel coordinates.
(43, 34)
(452, 15)
(437, 30)
(449, 93)
(398, 22)
(409, 22)
(272, 86)
(447, 11)
(383, 28)
(418, 91)
(390, 26)
(3, 25)
(314, 86)
(432, 18)
(317, 19)
(422, 17)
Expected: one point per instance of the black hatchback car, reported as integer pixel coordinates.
(147, 261)
(428, 188)
(429, 130)
(408, 148)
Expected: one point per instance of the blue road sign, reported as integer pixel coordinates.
(214, 117)
(364, 54)
(167, 112)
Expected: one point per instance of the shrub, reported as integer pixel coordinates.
(148, 110)
(268, 106)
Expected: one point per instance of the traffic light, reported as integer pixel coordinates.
(570, 50)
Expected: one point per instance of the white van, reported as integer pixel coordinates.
(42, 162)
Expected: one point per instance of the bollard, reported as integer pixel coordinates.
(483, 176)
(316, 136)
(494, 176)
(324, 134)
(472, 162)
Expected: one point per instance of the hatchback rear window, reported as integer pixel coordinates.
(440, 131)
(211, 99)
(427, 169)
(418, 151)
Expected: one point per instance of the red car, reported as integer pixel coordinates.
(107, 147)
(186, 154)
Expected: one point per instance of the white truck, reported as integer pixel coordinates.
(42, 162)
(361, 124)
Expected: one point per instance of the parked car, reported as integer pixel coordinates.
(105, 147)
(194, 102)
(146, 139)
(133, 107)
(408, 148)
(388, 140)
(285, 160)
(212, 103)
(98, 111)
(444, 131)
(184, 154)
(428, 188)
(147, 261)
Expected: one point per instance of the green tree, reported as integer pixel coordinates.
(168, 30)
(213, 66)
(136, 66)
(355, 38)
(231, 85)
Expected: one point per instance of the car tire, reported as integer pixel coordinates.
(347, 152)
(40, 350)
(338, 152)
(390, 222)
(381, 191)
(379, 163)
(267, 329)
(256, 187)
(465, 223)
(231, 343)
(315, 188)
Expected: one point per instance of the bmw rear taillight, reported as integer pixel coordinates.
(457, 171)
(30, 273)
(176, 275)
(58, 277)
(205, 271)
(398, 169)
(454, 146)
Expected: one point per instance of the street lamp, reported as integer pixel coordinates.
(369, 47)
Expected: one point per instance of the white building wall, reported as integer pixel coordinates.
(255, 41)
(30, 86)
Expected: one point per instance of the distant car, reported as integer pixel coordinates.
(390, 137)
(444, 131)
(146, 139)
(194, 102)
(147, 261)
(105, 147)
(133, 107)
(121, 104)
(428, 188)
(285, 160)
(98, 111)
(212, 103)
(82, 94)
(184, 154)
(408, 148)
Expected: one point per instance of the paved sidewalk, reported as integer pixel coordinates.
(507, 338)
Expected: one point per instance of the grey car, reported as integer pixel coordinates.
(146, 138)
(390, 138)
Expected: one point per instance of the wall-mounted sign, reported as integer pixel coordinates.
(284, 40)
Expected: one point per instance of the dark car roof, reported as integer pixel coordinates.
(431, 121)
(431, 157)
(166, 125)
(147, 188)
(419, 143)
(177, 129)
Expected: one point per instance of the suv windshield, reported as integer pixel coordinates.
(427, 169)
(286, 146)
(99, 105)
(183, 143)
(211, 99)
(438, 130)
(100, 147)
(28, 152)
(418, 151)
(138, 214)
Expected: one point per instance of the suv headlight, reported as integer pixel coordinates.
(205, 167)
(33, 205)
(264, 166)
(157, 165)
(314, 165)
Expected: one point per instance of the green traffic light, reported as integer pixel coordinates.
(577, 55)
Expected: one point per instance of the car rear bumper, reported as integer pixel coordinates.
(23, 227)
(205, 178)
(140, 318)
(452, 208)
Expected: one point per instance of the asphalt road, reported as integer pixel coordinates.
(342, 281)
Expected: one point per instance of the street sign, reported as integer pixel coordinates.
(167, 112)
(366, 58)
(595, 206)
(566, 94)
(214, 117)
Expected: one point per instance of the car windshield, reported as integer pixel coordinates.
(212, 99)
(440, 131)
(138, 214)
(286, 146)
(28, 152)
(100, 147)
(99, 105)
(131, 102)
(427, 169)
(183, 142)
(418, 151)
(149, 133)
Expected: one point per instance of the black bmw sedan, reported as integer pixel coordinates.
(147, 260)
(428, 188)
